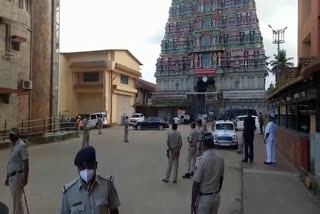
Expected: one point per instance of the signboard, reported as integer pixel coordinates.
(244, 94)
(169, 95)
(200, 71)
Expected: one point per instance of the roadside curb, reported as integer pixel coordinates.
(310, 182)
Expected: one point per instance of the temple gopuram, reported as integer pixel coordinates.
(212, 59)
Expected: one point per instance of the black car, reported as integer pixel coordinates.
(151, 123)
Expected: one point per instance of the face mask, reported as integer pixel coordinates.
(87, 175)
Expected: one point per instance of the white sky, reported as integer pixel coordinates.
(138, 25)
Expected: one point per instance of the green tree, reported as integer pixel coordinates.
(280, 63)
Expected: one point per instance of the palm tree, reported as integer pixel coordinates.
(280, 63)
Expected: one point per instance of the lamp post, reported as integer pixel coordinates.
(278, 38)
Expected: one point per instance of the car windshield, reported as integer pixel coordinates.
(135, 116)
(224, 126)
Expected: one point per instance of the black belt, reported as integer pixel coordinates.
(209, 193)
(15, 173)
(192, 145)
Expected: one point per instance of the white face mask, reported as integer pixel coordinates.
(87, 175)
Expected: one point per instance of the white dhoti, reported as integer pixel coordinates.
(271, 150)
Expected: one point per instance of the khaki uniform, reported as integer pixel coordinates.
(192, 151)
(209, 169)
(18, 154)
(100, 125)
(126, 130)
(201, 131)
(174, 143)
(86, 133)
(99, 199)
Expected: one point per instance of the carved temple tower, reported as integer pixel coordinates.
(210, 47)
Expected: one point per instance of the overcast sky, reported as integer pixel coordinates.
(138, 25)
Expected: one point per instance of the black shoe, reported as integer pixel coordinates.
(174, 182)
(251, 161)
(267, 163)
(165, 181)
(191, 174)
(187, 176)
(245, 161)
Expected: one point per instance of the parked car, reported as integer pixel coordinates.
(224, 134)
(151, 123)
(135, 118)
(93, 119)
(239, 121)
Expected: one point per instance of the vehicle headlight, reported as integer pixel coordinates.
(215, 137)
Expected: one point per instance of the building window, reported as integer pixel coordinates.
(124, 79)
(15, 46)
(207, 22)
(206, 60)
(4, 98)
(91, 77)
(20, 4)
(205, 41)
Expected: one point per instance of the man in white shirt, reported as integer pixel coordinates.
(270, 141)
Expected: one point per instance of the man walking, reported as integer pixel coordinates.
(248, 136)
(174, 143)
(126, 129)
(201, 130)
(86, 131)
(78, 125)
(192, 151)
(207, 180)
(270, 141)
(99, 125)
(261, 123)
(90, 192)
(17, 170)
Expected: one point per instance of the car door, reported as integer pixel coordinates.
(93, 120)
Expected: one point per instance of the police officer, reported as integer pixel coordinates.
(89, 193)
(192, 151)
(17, 170)
(126, 129)
(207, 180)
(201, 131)
(78, 125)
(86, 133)
(270, 141)
(100, 125)
(174, 143)
(248, 136)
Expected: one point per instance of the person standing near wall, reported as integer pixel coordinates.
(270, 141)
(126, 129)
(78, 126)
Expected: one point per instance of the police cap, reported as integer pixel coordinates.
(86, 155)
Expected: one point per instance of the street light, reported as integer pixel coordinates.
(278, 36)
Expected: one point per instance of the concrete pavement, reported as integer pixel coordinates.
(274, 189)
(138, 167)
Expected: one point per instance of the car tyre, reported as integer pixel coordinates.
(161, 127)
(139, 127)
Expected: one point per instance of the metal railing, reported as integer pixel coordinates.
(8, 56)
(38, 127)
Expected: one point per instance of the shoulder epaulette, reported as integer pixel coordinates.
(70, 184)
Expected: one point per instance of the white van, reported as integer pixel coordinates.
(93, 119)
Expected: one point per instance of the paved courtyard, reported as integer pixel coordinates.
(138, 168)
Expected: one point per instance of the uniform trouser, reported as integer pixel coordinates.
(208, 204)
(248, 145)
(271, 153)
(261, 128)
(16, 189)
(191, 159)
(99, 129)
(126, 134)
(199, 149)
(173, 161)
(85, 139)
(78, 131)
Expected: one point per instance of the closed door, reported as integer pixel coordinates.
(124, 107)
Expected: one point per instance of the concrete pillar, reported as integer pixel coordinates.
(42, 57)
